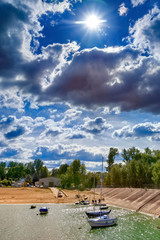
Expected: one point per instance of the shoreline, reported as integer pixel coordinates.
(139, 200)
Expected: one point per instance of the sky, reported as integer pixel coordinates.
(78, 77)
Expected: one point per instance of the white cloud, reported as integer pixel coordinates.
(148, 130)
(145, 34)
(122, 10)
(135, 3)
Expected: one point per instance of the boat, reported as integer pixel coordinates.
(82, 202)
(43, 210)
(97, 213)
(102, 221)
(33, 206)
(102, 207)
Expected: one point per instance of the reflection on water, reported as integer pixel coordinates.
(69, 222)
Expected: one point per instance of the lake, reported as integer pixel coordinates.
(69, 222)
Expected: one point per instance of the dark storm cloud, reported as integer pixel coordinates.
(122, 76)
(15, 133)
(11, 21)
(141, 130)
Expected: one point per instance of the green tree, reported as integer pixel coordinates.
(54, 172)
(124, 176)
(63, 168)
(66, 180)
(116, 176)
(2, 170)
(111, 157)
(156, 173)
(43, 172)
(75, 172)
(38, 164)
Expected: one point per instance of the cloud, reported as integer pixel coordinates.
(135, 3)
(142, 130)
(8, 153)
(122, 10)
(52, 133)
(15, 133)
(5, 122)
(145, 33)
(77, 136)
(126, 78)
(95, 126)
(67, 154)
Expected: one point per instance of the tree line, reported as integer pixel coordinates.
(137, 169)
(72, 176)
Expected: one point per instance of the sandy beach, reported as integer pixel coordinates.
(142, 200)
(41, 195)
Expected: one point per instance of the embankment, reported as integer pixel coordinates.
(143, 200)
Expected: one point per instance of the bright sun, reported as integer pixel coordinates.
(92, 22)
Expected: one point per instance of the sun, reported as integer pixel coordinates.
(92, 22)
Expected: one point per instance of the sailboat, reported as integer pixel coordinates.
(102, 220)
(101, 211)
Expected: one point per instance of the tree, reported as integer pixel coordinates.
(2, 170)
(130, 154)
(111, 157)
(156, 173)
(116, 176)
(54, 172)
(38, 164)
(75, 171)
(43, 172)
(63, 168)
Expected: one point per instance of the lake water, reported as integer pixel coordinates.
(69, 222)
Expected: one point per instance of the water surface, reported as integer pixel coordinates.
(69, 222)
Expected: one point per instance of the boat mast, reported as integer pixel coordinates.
(101, 179)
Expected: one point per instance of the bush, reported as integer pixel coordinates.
(6, 182)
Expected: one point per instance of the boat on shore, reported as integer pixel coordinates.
(102, 221)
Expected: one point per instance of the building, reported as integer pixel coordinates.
(49, 182)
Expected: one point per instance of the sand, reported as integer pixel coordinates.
(41, 195)
(142, 200)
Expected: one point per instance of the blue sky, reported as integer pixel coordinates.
(78, 77)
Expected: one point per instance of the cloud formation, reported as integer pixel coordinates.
(122, 10)
(95, 126)
(141, 130)
(135, 3)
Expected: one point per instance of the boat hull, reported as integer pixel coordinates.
(102, 222)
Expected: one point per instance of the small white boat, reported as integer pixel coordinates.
(102, 221)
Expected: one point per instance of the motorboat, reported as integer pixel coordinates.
(82, 202)
(43, 210)
(102, 221)
(97, 213)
